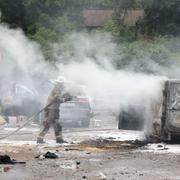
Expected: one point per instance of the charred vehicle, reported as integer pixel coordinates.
(77, 112)
(19, 100)
(170, 120)
(165, 114)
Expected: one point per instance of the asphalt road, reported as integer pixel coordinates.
(89, 154)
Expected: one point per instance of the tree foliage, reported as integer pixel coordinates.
(34, 15)
(47, 21)
(119, 31)
(13, 12)
(44, 21)
(162, 17)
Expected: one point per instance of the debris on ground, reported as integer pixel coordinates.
(71, 149)
(50, 155)
(104, 144)
(92, 159)
(138, 142)
(102, 176)
(47, 155)
(5, 159)
(88, 152)
(78, 163)
(5, 169)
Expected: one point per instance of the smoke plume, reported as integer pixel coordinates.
(91, 63)
(83, 58)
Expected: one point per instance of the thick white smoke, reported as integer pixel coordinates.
(115, 89)
(21, 60)
(92, 66)
(18, 53)
(86, 59)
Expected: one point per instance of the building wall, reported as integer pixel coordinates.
(97, 18)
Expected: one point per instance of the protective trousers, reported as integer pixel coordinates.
(51, 118)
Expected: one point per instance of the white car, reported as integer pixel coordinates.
(78, 111)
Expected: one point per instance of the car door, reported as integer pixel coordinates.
(172, 104)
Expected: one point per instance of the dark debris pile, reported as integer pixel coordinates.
(109, 144)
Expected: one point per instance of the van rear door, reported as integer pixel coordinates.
(172, 106)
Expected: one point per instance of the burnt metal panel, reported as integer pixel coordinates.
(171, 112)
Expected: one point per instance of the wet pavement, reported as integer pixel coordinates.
(89, 154)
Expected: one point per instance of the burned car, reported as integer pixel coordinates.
(77, 112)
(19, 100)
(164, 114)
(170, 120)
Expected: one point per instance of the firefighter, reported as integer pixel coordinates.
(51, 111)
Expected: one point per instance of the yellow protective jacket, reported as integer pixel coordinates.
(55, 98)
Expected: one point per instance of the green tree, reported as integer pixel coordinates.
(119, 31)
(43, 20)
(162, 17)
(13, 13)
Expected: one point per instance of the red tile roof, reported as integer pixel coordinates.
(133, 16)
(97, 18)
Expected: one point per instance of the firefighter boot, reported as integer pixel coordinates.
(60, 140)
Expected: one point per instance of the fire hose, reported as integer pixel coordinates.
(66, 96)
(26, 122)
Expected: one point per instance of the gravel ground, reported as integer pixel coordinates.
(104, 157)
